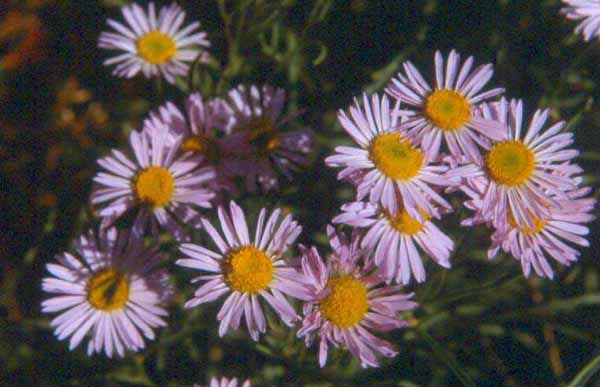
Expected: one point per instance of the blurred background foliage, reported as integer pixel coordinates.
(480, 323)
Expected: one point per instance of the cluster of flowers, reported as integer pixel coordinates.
(410, 152)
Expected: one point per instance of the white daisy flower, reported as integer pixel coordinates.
(447, 110)
(522, 174)
(154, 44)
(549, 237)
(247, 270)
(392, 239)
(110, 289)
(395, 170)
(588, 13)
(162, 187)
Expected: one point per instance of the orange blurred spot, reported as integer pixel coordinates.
(20, 36)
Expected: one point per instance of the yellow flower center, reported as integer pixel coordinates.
(403, 223)
(395, 157)
(538, 224)
(154, 186)
(108, 290)
(248, 270)
(447, 109)
(346, 304)
(203, 146)
(262, 134)
(510, 162)
(156, 47)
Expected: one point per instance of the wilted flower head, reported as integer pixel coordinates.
(257, 112)
(202, 132)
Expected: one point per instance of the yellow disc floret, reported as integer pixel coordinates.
(248, 269)
(203, 146)
(262, 133)
(403, 223)
(346, 304)
(538, 224)
(108, 290)
(510, 162)
(394, 157)
(156, 47)
(447, 109)
(154, 186)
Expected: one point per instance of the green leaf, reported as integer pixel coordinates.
(586, 373)
(445, 357)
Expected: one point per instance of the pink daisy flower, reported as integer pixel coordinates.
(348, 302)
(257, 113)
(203, 134)
(154, 44)
(392, 239)
(533, 244)
(247, 270)
(162, 187)
(112, 289)
(588, 13)
(395, 171)
(224, 382)
(447, 109)
(523, 173)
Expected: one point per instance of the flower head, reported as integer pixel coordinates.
(532, 245)
(588, 13)
(155, 44)
(160, 185)
(447, 109)
(395, 170)
(224, 382)
(257, 114)
(393, 238)
(347, 301)
(522, 173)
(111, 288)
(201, 131)
(248, 270)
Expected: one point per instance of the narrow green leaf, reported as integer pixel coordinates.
(586, 373)
(445, 357)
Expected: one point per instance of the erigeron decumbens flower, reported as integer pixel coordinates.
(155, 44)
(348, 301)
(391, 238)
(224, 382)
(203, 132)
(111, 288)
(532, 245)
(447, 109)
(587, 12)
(162, 187)
(247, 270)
(257, 112)
(519, 173)
(394, 169)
